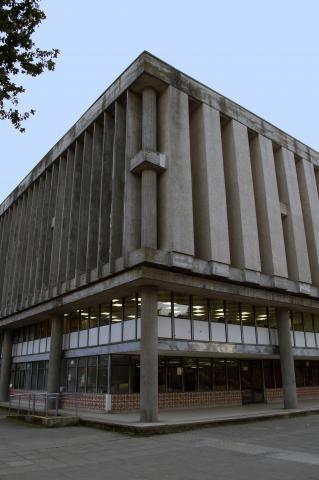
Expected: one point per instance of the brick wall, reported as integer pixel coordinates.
(304, 393)
(87, 401)
(179, 400)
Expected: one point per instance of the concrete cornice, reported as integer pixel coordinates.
(158, 74)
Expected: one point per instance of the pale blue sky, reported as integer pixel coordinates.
(263, 55)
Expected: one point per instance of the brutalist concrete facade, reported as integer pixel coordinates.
(164, 185)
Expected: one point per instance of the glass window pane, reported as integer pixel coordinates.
(296, 318)
(200, 308)
(261, 316)
(105, 315)
(219, 374)
(232, 313)
(190, 374)
(75, 320)
(217, 313)
(277, 373)
(247, 314)
(162, 375)
(66, 323)
(84, 319)
(268, 374)
(139, 301)
(299, 371)
(164, 304)
(135, 375)
(120, 374)
(102, 374)
(94, 316)
(117, 308)
(174, 375)
(308, 373)
(181, 306)
(72, 375)
(307, 320)
(129, 308)
(91, 374)
(272, 317)
(82, 374)
(316, 323)
(205, 375)
(233, 374)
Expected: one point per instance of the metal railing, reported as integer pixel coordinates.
(37, 403)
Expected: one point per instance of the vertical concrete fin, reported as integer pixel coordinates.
(58, 220)
(310, 210)
(95, 198)
(18, 250)
(10, 254)
(61, 260)
(36, 279)
(49, 232)
(176, 227)
(293, 224)
(208, 182)
(24, 247)
(132, 189)
(271, 237)
(118, 175)
(4, 254)
(241, 210)
(84, 206)
(106, 191)
(75, 210)
(33, 242)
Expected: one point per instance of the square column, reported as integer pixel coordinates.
(149, 356)
(54, 373)
(286, 359)
(5, 365)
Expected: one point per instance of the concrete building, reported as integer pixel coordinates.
(164, 253)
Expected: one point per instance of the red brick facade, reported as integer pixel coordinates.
(304, 393)
(180, 400)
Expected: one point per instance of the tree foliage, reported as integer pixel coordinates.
(19, 55)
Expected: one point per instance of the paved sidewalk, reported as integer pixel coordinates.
(177, 420)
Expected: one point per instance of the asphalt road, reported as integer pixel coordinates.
(276, 449)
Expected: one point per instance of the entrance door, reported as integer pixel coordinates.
(252, 385)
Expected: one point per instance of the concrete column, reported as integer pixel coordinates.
(5, 365)
(286, 359)
(149, 356)
(54, 373)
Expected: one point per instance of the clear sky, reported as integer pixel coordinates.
(262, 54)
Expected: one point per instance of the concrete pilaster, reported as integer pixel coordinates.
(294, 228)
(54, 373)
(5, 365)
(271, 237)
(208, 180)
(243, 232)
(310, 209)
(149, 356)
(176, 225)
(286, 359)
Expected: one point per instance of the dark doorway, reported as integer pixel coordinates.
(252, 385)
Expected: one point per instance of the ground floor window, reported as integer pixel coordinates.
(29, 375)
(94, 374)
